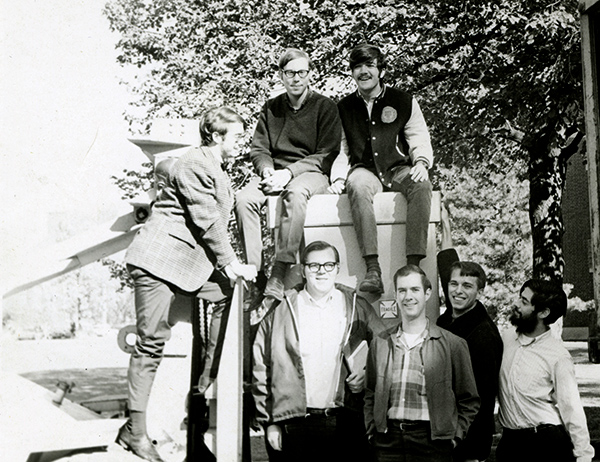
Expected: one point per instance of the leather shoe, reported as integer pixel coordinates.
(372, 283)
(141, 447)
(274, 288)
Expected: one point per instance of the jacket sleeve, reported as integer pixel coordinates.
(261, 371)
(486, 357)
(370, 383)
(260, 150)
(329, 137)
(417, 137)
(197, 185)
(341, 164)
(465, 389)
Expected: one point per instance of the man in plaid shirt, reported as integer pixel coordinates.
(420, 393)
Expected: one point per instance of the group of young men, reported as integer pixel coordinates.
(332, 380)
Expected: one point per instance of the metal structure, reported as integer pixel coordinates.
(590, 47)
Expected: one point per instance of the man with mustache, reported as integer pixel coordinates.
(386, 144)
(540, 408)
(183, 248)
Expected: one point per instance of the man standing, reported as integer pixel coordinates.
(467, 317)
(295, 142)
(183, 247)
(540, 408)
(308, 376)
(387, 145)
(420, 393)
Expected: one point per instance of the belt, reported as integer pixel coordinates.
(408, 424)
(328, 412)
(535, 429)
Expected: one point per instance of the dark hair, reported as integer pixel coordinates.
(215, 120)
(290, 54)
(412, 269)
(364, 53)
(316, 246)
(472, 269)
(547, 294)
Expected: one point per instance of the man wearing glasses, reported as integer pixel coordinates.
(307, 379)
(295, 142)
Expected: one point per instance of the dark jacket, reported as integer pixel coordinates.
(186, 236)
(278, 377)
(381, 134)
(451, 392)
(485, 347)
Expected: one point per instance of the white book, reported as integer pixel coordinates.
(357, 361)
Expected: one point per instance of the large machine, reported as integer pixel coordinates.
(39, 425)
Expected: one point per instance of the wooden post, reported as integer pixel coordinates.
(590, 35)
(229, 384)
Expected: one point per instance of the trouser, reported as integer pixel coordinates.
(410, 442)
(153, 297)
(362, 185)
(547, 443)
(323, 438)
(249, 202)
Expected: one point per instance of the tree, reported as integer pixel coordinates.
(497, 79)
(490, 226)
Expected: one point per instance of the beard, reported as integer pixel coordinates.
(524, 324)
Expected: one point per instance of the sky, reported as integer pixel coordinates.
(62, 132)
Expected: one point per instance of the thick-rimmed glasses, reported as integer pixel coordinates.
(302, 73)
(316, 267)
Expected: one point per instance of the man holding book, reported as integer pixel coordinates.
(309, 359)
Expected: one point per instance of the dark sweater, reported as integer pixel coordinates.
(307, 140)
(485, 348)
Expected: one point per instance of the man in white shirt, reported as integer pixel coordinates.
(307, 398)
(540, 408)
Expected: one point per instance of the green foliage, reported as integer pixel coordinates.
(133, 183)
(81, 301)
(498, 80)
(490, 226)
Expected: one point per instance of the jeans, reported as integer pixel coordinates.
(153, 299)
(548, 443)
(362, 185)
(249, 203)
(413, 444)
(320, 438)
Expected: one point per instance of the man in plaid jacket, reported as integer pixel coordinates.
(183, 248)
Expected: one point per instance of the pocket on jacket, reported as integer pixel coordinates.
(188, 238)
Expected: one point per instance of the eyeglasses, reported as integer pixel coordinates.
(291, 74)
(316, 267)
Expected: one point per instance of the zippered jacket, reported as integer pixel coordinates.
(452, 396)
(278, 384)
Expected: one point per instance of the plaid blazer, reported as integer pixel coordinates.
(186, 236)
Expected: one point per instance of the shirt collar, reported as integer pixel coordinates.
(379, 96)
(398, 337)
(323, 302)
(216, 154)
(524, 340)
(303, 101)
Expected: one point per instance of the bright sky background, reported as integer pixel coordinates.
(62, 133)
